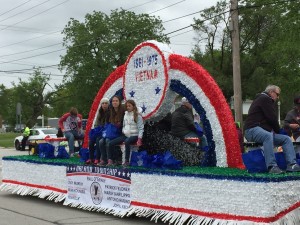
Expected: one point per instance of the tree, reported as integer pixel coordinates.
(270, 47)
(212, 28)
(33, 96)
(98, 45)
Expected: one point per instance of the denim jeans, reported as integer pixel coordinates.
(203, 139)
(269, 140)
(102, 149)
(71, 135)
(128, 141)
(297, 147)
(110, 146)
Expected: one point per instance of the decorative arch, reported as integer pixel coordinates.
(192, 81)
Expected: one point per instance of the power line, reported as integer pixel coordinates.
(140, 5)
(18, 6)
(35, 15)
(33, 56)
(3, 46)
(1, 56)
(24, 11)
(167, 7)
(165, 34)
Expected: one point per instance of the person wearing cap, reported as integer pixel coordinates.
(261, 126)
(292, 121)
(101, 120)
(70, 124)
(182, 123)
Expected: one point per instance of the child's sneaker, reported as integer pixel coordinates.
(88, 162)
(110, 163)
(293, 168)
(101, 163)
(96, 162)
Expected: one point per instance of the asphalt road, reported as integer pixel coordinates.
(29, 210)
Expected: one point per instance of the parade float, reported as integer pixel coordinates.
(222, 192)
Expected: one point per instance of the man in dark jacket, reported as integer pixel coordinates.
(182, 123)
(292, 121)
(262, 126)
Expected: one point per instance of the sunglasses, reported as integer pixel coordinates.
(276, 93)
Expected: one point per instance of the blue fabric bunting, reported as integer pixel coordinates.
(46, 151)
(62, 153)
(84, 154)
(111, 132)
(199, 129)
(158, 161)
(95, 133)
(280, 159)
(254, 161)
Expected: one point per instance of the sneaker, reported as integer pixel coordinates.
(96, 162)
(110, 163)
(275, 170)
(71, 154)
(126, 164)
(293, 168)
(101, 163)
(88, 162)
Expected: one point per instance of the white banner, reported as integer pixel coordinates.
(100, 187)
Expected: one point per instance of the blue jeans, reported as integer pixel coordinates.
(110, 146)
(128, 141)
(203, 139)
(102, 148)
(71, 135)
(269, 140)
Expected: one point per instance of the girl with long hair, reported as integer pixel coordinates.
(133, 128)
(101, 121)
(108, 143)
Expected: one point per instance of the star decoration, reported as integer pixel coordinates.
(157, 90)
(144, 108)
(132, 94)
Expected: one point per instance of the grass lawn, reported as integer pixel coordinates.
(7, 139)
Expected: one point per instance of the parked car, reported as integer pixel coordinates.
(36, 134)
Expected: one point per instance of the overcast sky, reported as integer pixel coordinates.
(30, 30)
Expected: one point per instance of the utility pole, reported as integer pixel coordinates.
(235, 37)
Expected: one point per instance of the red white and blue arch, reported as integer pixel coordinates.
(192, 81)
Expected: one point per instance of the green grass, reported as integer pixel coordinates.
(7, 139)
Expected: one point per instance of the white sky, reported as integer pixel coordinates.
(32, 25)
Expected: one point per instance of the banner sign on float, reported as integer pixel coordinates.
(100, 187)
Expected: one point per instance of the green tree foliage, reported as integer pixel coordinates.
(270, 47)
(6, 98)
(33, 97)
(98, 45)
(212, 30)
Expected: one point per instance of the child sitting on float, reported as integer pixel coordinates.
(133, 128)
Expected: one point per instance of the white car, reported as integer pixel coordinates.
(36, 134)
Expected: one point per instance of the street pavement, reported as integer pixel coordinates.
(30, 210)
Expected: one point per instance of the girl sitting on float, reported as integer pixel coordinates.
(112, 133)
(96, 134)
(133, 128)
